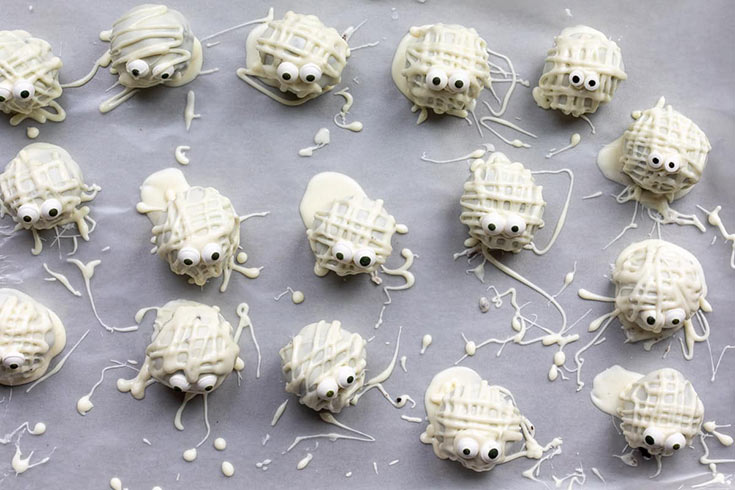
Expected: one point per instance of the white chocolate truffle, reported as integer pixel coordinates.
(501, 205)
(349, 233)
(30, 336)
(660, 412)
(42, 187)
(195, 229)
(192, 350)
(582, 71)
(324, 365)
(29, 78)
(475, 423)
(443, 68)
(298, 54)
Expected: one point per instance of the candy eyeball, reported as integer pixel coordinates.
(310, 73)
(675, 318)
(655, 160)
(188, 256)
(592, 82)
(493, 224)
(365, 257)
(653, 437)
(672, 164)
(212, 253)
(649, 318)
(515, 225)
(466, 447)
(490, 451)
(436, 79)
(576, 78)
(206, 383)
(342, 251)
(13, 360)
(179, 383)
(327, 389)
(5, 94)
(51, 209)
(287, 72)
(23, 90)
(29, 213)
(345, 376)
(164, 73)
(459, 81)
(137, 68)
(675, 442)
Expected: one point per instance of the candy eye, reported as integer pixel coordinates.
(310, 73)
(592, 82)
(655, 160)
(672, 164)
(459, 81)
(51, 209)
(576, 78)
(179, 383)
(493, 224)
(675, 441)
(29, 213)
(467, 447)
(14, 360)
(327, 389)
(287, 72)
(345, 376)
(165, 73)
(342, 251)
(364, 258)
(5, 94)
(515, 225)
(675, 318)
(207, 382)
(653, 436)
(212, 253)
(188, 256)
(24, 90)
(436, 79)
(649, 317)
(137, 68)
(490, 451)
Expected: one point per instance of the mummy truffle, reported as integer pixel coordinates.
(42, 188)
(441, 67)
(659, 288)
(195, 229)
(659, 158)
(30, 336)
(582, 71)
(29, 78)
(149, 45)
(193, 349)
(349, 233)
(324, 365)
(475, 423)
(660, 412)
(298, 55)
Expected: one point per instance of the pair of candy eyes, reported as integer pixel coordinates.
(13, 361)
(590, 81)
(211, 254)
(290, 73)
(342, 251)
(670, 163)
(30, 213)
(329, 387)
(495, 224)
(437, 79)
(179, 383)
(673, 318)
(654, 437)
(468, 448)
(22, 89)
(139, 68)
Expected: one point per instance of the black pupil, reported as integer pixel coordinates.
(215, 256)
(364, 261)
(188, 261)
(672, 165)
(575, 79)
(27, 219)
(466, 451)
(176, 388)
(208, 388)
(53, 212)
(350, 379)
(676, 446)
(592, 83)
(340, 255)
(286, 76)
(459, 84)
(493, 453)
(655, 160)
(649, 440)
(436, 80)
(491, 227)
(25, 94)
(2, 99)
(164, 76)
(13, 366)
(136, 73)
(650, 320)
(330, 393)
(514, 229)
(310, 78)
(675, 321)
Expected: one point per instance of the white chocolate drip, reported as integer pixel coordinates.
(32, 132)
(321, 139)
(245, 322)
(59, 364)
(304, 462)
(279, 412)
(189, 114)
(425, 343)
(84, 404)
(62, 279)
(474, 155)
(228, 469)
(713, 218)
(180, 154)
(403, 272)
(574, 140)
(340, 119)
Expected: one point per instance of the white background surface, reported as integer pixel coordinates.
(246, 146)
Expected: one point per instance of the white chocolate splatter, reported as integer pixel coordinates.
(180, 154)
(189, 114)
(321, 139)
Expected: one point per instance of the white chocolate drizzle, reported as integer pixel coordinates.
(228, 469)
(279, 412)
(180, 154)
(713, 218)
(84, 404)
(479, 153)
(59, 364)
(304, 462)
(189, 114)
(297, 297)
(321, 139)
(573, 141)
(340, 119)
(32, 132)
(245, 322)
(425, 343)
(62, 279)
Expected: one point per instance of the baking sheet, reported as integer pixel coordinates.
(246, 146)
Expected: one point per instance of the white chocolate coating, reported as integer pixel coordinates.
(197, 219)
(299, 40)
(29, 78)
(317, 354)
(584, 57)
(498, 186)
(449, 52)
(189, 339)
(463, 410)
(42, 187)
(30, 336)
(339, 216)
(660, 412)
